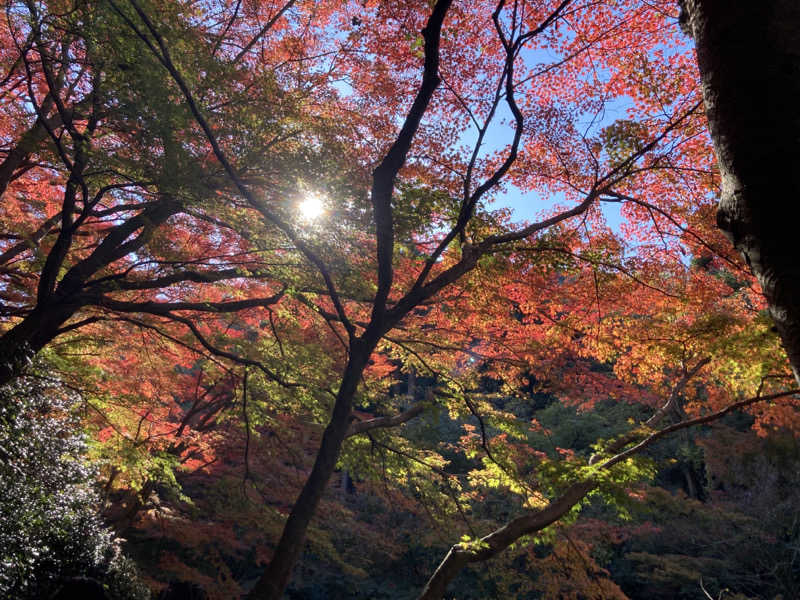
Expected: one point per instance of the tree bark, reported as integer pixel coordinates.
(20, 344)
(748, 53)
(276, 577)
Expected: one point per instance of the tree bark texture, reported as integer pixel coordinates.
(748, 52)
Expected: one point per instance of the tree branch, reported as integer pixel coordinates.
(165, 308)
(384, 175)
(652, 438)
(267, 26)
(384, 422)
(497, 541)
(113, 284)
(656, 418)
(163, 55)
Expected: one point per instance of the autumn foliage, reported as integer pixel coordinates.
(266, 389)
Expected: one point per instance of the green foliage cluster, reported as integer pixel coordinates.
(686, 512)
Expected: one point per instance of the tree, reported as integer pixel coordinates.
(96, 156)
(753, 124)
(178, 139)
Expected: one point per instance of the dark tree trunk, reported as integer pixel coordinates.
(20, 343)
(290, 546)
(84, 588)
(183, 590)
(748, 52)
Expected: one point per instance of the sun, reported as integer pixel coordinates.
(311, 207)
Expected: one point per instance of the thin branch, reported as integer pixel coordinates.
(669, 405)
(230, 355)
(500, 539)
(652, 438)
(163, 55)
(261, 32)
(246, 417)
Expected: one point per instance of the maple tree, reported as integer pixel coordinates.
(156, 157)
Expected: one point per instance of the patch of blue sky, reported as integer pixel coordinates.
(527, 206)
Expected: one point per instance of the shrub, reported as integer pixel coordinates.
(50, 529)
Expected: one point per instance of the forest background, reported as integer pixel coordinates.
(269, 325)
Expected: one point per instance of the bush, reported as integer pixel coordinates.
(50, 530)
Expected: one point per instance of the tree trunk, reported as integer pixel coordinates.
(54, 307)
(276, 577)
(748, 52)
(20, 343)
